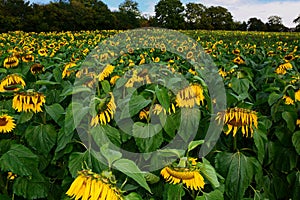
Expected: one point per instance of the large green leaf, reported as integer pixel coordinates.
(148, 137)
(173, 192)
(19, 160)
(137, 103)
(189, 123)
(273, 98)
(260, 139)
(163, 97)
(34, 187)
(209, 172)
(296, 141)
(41, 137)
(240, 85)
(55, 111)
(214, 195)
(290, 118)
(74, 114)
(106, 134)
(133, 196)
(129, 168)
(193, 144)
(109, 154)
(240, 174)
(79, 161)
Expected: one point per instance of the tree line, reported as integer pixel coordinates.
(75, 15)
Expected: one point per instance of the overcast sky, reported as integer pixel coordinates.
(241, 10)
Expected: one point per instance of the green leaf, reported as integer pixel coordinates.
(110, 154)
(296, 141)
(35, 187)
(290, 118)
(148, 137)
(55, 111)
(75, 90)
(273, 98)
(129, 168)
(41, 137)
(46, 82)
(194, 144)
(133, 196)
(240, 85)
(74, 114)
(163, 97)
(137, 103)
(214, 195)
(79, 161)
(105, 86)
(260, 139)
(240, 174)
(209, 172)
(25, 117)
(189, 124)
(19, 160)
(106, 134)
(151, 178)
(173, 192)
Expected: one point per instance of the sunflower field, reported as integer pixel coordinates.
(171, 115)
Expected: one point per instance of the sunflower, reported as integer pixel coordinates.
(28, 58)
(288, 58)
(7, 123)
(222, 73)
(297, 95)
(11, 61)
(10, 83)
(281, 69)
(238, 117)
(190, 176)
(43, 52)
(157, 109)
(28, 101)
(144, 114)
(136, 77)
(106, 72)
(36, 68)
(239, 60)
(190, 96)
(67, 72)
(298, 122)
(288, 100)
(236, 52)
(114, 79)
(105, 112)
(91, 186)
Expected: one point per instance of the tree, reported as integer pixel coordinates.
(275, 24)
(129, 14)
(297, 21)
(255, 24)
(169, 14)
(194, 14)
(218, 18)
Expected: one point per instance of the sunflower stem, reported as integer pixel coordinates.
(234, 143)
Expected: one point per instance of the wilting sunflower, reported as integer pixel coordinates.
(114, 79)
(91, 186)
(10, 83)
(236, 51)
(239, 60)
(188, 175)
(28, 58)
(288, 100)
(106, 72)
(7, 123)
(67, 69)
(136, 77)
(36, 68)
(11, 61)
(43, 52)
(157, 109)
(222, 73)
(190, 96)
(28, 101)
(289, 57)
(105, 111)
(238, 117)
(281, 69)
(144, 114)
(297, 95)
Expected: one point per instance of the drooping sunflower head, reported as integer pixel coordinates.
(289, 57)
(157, 109)
(36, 68)
(239, 60)
(288, 100)
(68, 69)
(141, 77)
(7, 123)
(190, 96)
(28, 101)
(236, 118)
(11, 61)
(43, 52)
(28, 58)
(282, 69)
(89, 185)
(191, 177)
(105, 111)
(236, 51)
(106, 72)
(12, 82)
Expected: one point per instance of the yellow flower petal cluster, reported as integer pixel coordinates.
(106, 72)
(7, 123)
(67, 72)
(190, 96)
(288, 100)
(191, 178)
(157, 109)
(107, 114)
(92, 186)
(239, 60)
(238, 117)
(36, 68)
(281, 69)
(28, 101)
(144, 114)
(28, 58)
(142, 77)
(11, 61)
(10, 81)
(297, 95)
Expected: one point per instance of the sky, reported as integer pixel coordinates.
(241, 10)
